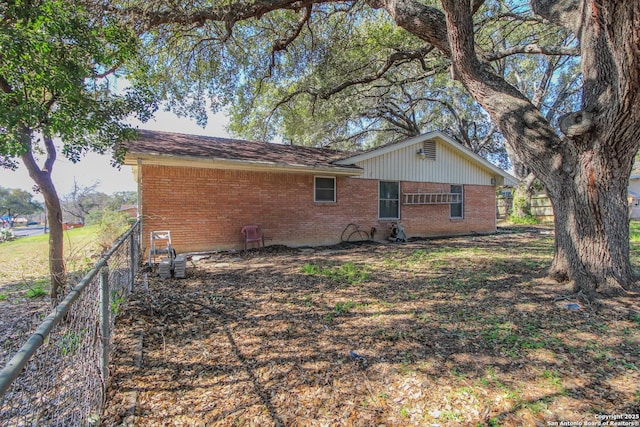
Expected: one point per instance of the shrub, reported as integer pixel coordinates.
(111, 226)
(524, 220)
(6, 235)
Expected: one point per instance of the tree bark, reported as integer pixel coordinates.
(592, 229)
(585, 172)
(42, 178)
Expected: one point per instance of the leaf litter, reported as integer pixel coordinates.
(460, 331)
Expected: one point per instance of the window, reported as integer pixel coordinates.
(457, 210)
(389, 200)
(325, 189)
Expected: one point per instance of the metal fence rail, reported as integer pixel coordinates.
(59, 376)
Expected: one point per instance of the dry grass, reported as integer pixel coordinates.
(463, 331)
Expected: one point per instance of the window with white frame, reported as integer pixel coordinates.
(324, 189)
(389, 198)
(457, 209)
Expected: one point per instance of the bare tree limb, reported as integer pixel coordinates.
(282, 44)
(563, 94)
(533, 49)
(229, 12)
(394, 59)
(108, 72)
(543, 86)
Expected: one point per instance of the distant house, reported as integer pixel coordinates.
(205, 189)
(131, 210)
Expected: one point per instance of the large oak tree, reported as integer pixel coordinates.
(584, 166)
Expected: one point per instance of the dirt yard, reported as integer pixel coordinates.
(462, 331)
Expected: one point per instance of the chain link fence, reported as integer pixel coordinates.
(59, 376)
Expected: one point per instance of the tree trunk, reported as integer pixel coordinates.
(42, 178)
(592, 230)
(57, 269)
(585, 171)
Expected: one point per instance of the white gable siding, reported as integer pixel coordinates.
(405, 165)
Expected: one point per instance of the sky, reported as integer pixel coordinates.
(97, 168)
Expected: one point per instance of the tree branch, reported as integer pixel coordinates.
(5, 86)
(534, 49)
(29, 161)
(566, 13)
(282, 44)
(229, 12)
(393, 59)
(476, 5)
(107, 72)
(51, 153)
(427, 23)
(529, 133)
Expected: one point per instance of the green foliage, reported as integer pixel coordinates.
(521, 212)
(70, 342)
(343, 307)
(116, 302)
(14, 202)
(525, 220)
(111, 226)
(553, 378)
(346, 273)
(340, 309)
(6, 235)
(55, 54)
(36, 292)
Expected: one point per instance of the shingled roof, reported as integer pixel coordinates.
(154, 144)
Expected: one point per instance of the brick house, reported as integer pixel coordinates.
(205, 189)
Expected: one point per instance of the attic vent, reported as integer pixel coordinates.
(429, 148)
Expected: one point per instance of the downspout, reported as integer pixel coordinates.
(139, 201)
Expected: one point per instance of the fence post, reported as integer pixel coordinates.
(105, 321)
(132, 261)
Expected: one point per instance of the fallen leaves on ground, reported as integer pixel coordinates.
(460, 331)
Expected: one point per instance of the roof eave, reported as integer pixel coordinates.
(133, 158)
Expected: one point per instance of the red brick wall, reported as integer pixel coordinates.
(479, 211)
(205, 208)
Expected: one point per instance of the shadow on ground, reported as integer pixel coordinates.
(463, 331)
